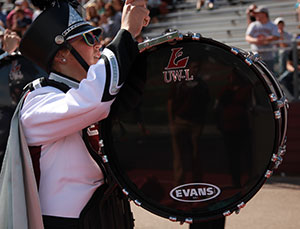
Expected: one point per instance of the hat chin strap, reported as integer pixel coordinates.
(77, 56)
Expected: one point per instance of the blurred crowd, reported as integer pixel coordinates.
(17, 15)
(263, 34)
(275, 45)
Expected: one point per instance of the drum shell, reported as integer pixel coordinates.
(235, 140)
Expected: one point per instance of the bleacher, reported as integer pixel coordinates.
(225, 23)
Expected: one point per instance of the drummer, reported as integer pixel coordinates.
(54, 117)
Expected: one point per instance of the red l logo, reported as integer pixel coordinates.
(174, 63)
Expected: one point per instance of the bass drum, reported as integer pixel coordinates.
(210, 130)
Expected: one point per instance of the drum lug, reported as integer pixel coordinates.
(268, 174)
(248, 61)
(281, 102)
(196, 36)
(277, 114)
(138, 203)
(235, 51)
(125, 191)
(277, 160)
(254, 57)
(227, 213)
(173, 218)
(273, 97)
(241, 205)
(189, 220)
(281, 150)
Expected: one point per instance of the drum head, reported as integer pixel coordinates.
(200, 142)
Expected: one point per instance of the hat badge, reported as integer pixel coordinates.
(59, 39)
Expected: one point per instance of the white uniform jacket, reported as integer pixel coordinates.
(53, 121)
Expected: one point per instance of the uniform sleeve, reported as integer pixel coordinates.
(133, 69)
(126, 50)
(49, 114)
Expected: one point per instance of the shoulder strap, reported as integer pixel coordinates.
(43, 82)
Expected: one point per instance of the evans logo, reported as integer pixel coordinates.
(195, 192)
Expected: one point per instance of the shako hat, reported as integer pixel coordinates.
(49, 32)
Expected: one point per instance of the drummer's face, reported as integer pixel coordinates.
(90, 54)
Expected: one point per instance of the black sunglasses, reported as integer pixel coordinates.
(89, 38)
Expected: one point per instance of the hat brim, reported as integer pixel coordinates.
(84, 29)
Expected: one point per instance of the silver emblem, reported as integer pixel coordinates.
(59, 39)
(74, 17)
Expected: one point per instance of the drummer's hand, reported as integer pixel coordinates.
(135, 16)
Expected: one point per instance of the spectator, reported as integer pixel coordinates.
(100, 7)
(250, 13)
(118, 5)
(210, 4)
(284, 43)
(157, 7)
(287, 77)
(20, 22)
(111, 25)
(19, 4)
(285, 37)
(297, 7)
(2, 15)
(261, 34)
(92, 14)
(200, 4)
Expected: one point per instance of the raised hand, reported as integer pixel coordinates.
(135, 16)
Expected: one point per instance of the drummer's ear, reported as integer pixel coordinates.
(61, 56)
(60, 60)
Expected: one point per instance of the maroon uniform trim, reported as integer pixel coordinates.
(35, 153)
